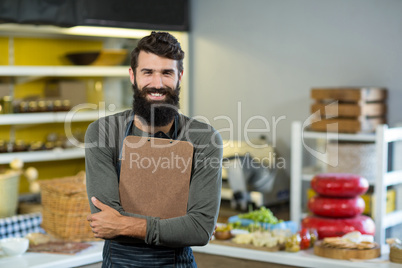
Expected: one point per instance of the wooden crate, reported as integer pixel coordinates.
(350, 94)
(350, 109)
(348, 125)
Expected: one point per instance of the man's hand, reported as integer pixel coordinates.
(104, 224)
(109, 223)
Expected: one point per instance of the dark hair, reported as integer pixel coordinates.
(162, 44)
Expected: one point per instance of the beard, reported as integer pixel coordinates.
(156, 113)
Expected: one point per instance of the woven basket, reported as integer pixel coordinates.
(65, 208)
(395, 254)
(357, 158)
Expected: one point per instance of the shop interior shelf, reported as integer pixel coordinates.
(64, 71)
(369, 137)
(393, 178)
(53, 117)
(39, 156)
(393, 218)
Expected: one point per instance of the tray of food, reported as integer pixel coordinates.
(264, 218)
(350, 246)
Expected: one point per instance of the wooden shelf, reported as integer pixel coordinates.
(369, 137)
(39, 156)
(53, 117)
(64, 71)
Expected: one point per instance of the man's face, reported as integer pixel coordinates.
(155, 72)
(156, 84)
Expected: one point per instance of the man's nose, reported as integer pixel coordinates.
(157, 81)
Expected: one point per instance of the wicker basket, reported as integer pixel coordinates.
(357, 158)
(395, 254)
(65, 208)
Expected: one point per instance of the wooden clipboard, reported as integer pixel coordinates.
(155, 176)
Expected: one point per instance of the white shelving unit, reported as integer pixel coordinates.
(21, 74)
(40, 156)
(52, 117)
(112, 38)
(43, 118)
(64, 71)
(40, 118)
(384, 178)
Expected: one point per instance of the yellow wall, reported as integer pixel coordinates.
(36, 52)
(3, 51)
(41, 51)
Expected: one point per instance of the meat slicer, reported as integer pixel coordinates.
(254, 175)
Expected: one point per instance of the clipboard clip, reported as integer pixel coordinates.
(171, 141)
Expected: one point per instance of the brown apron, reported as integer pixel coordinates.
(155, 176)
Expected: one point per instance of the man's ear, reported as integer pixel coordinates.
(181, 76)
(131, 75)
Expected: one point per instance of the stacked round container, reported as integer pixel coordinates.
(338, 206)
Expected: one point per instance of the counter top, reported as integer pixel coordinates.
(305, 258)
(90, 255)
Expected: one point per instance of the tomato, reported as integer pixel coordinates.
(339, 184)
(336, 207)
(305, 238)
(329, 227)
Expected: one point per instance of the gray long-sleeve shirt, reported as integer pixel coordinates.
(103, 141)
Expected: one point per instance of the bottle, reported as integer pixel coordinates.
(32, 107)
(23, 107)
(42, 106)
(7, 105)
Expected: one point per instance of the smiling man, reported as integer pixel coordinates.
(159, 79)
(133, 240)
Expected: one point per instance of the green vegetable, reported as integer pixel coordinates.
(263, 215)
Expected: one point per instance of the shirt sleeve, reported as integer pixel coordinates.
(101, 175)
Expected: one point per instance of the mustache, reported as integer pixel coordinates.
(163, 90)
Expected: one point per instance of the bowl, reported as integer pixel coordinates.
(14, 246)
(104, 57)
(223, 235)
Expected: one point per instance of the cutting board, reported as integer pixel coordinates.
(346, 254)
(59, 247)
(249, 246)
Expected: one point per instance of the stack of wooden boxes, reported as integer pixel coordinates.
(351, 110)
(348, 110)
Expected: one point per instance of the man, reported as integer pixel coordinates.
(133, 240)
